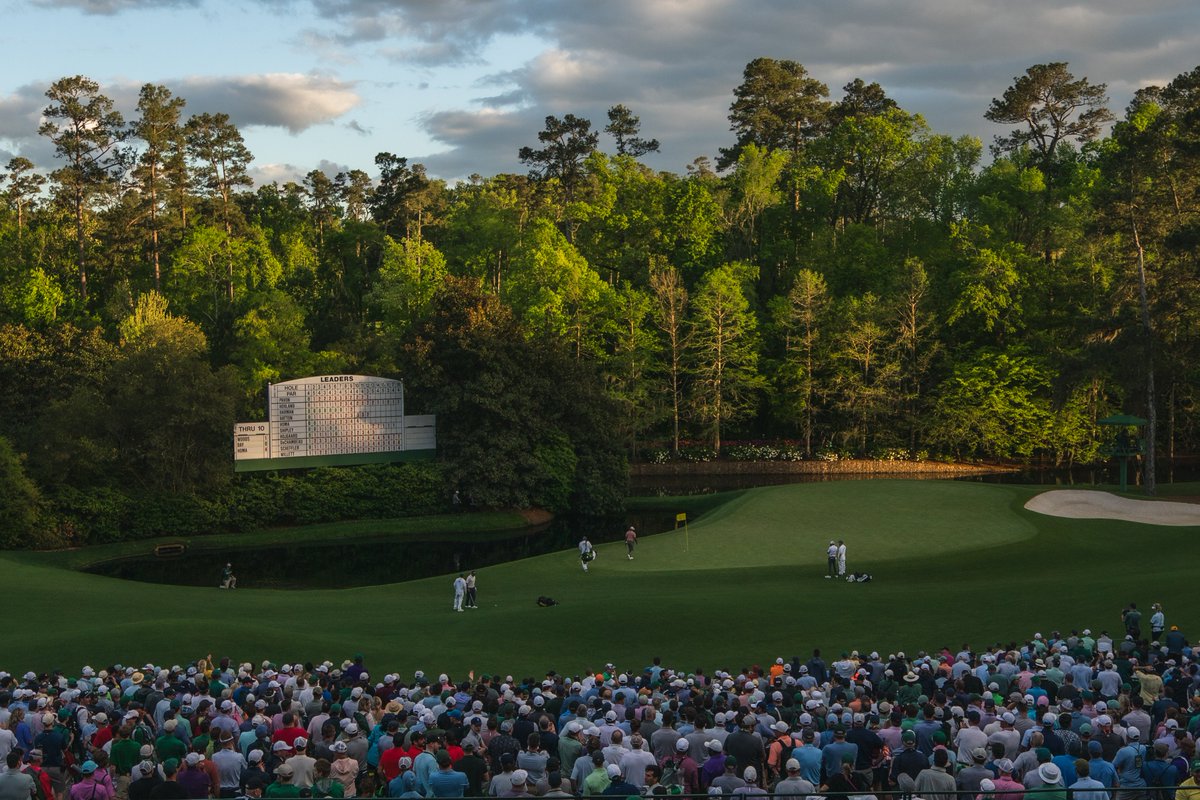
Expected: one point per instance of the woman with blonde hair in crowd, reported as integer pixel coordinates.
(20, 729)
(375, 713)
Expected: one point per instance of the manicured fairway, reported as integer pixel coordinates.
(952, 562)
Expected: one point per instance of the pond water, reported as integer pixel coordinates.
(367, 562)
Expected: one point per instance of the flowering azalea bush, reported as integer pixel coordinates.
(778, 450)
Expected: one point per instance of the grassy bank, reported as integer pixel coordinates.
(953, 562)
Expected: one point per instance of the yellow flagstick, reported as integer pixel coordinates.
(682, 517)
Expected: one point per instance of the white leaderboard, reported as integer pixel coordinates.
(332, 415)
(336, 414)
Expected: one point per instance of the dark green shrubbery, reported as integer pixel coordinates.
(106, 514)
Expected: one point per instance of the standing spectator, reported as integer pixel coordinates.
(34, 767)
(729, 782)
(446, 781)
(254, 777)
(792, 785)
(745, 745)
(472, 596)
(1086, 787)
(194, 778)
(969, 778)
(1006, 786)
(1158, 622)
(597, 780)
(635, 761)
(845, 779)
(230, 764)
(1159, 774)
(533, 758)
(460, 591)
(686, 769)
(15, 784)
(324, 786)
(1128, 763)
(751, 788)
(90, 787)
(837, 750)
(344, 769)
(1133, 621)
(474, 767)
(303, 765)
(8, 741)
(283, 786)
(936, 782)
(519, 785)
(170, 788)
(1190, 788)
(53, 741)
(618, 786)
(143, 787)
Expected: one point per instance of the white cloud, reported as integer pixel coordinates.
(20, 116)
(332, 168)
(292, 101)
(445, 32)
(263, 174)
(283, 99)
(479, 141)
(675, 63)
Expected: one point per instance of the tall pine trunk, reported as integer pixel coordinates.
(1148, 477)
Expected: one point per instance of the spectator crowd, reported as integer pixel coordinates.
(1058, 716)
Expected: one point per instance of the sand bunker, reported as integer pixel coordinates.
(1082, 504)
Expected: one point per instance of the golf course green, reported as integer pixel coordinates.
(952, 562)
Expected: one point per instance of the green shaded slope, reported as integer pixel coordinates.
(953, 562)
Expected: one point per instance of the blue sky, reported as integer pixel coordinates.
(460, 85)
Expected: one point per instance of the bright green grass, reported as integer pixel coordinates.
(953, 562)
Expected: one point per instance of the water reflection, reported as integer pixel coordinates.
(370, 562)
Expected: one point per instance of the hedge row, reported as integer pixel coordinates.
(774, 451)
(105, 514)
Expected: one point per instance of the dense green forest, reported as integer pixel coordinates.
(841, 280)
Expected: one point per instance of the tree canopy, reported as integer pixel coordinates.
(847, 281)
